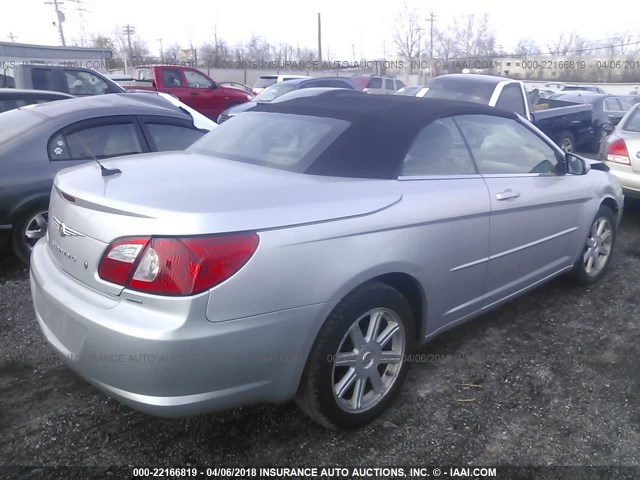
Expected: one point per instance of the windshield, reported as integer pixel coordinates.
(14, 123)
(274, 91)
(461, 90)
(275, 140)
(264, 82)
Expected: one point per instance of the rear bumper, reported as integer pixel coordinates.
(175, 363)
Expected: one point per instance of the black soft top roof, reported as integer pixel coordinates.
(382, 128)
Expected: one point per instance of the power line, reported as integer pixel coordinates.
(61, 18)
(79, 8)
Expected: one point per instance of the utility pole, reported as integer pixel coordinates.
(319, 39)
(353, 49)
(161, 51)
(61, 18)
(432, 18)
(128, 30)
(12, 37)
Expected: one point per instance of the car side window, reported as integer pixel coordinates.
(438, 149)
(171, 77)
(99, 141)
(625, 104)
(144, 74)
(388, 84)
(42, 79)
(196, 80)
(375, 82)
(504, 146)
(611, 105)
(172, 137)
(80, 82)
(512, 99)
(399, 84)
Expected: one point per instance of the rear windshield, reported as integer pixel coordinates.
(276, 140)
(264, 82)
(461, 90)
(16, 122)
(633, 122)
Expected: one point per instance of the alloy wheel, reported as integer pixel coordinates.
(598, 246)
(35, 228)
(368, 360)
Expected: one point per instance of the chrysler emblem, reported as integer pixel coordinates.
(65, 231)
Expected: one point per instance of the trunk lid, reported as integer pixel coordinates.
(179, 193)
(632, 141)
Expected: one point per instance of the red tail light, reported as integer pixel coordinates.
(176, 266)
(618, 152)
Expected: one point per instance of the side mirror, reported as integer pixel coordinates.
(608, 127)
(213, 85)
(576, 165)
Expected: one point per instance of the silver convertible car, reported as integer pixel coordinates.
(304, 249)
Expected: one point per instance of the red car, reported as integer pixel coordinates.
(190, 86)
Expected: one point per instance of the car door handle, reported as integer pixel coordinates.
(507, 194)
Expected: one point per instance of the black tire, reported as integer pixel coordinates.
(316, 395)
(22, 237)
(567, 142)
(593, 248)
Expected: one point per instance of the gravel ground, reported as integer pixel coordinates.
(549, 379)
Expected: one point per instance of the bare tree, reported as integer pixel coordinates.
(526, 47)
(443, 44)
(214, 54)
(563, 45)
(408, 34)
(473, 37)
(139, 50)
(171, 54)
(105, 43)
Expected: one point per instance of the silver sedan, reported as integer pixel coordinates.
(621, 151)
(303, 250)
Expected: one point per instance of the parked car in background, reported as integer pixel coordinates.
(50, 137)
(633, 99)
(190, 86)
(276, 90)
(566, 123)
(408, 91)
(376, 84)
(607, 110)
(299, 231)
(566, 87)
(267, 80)
(554, 86)
(74, 81)
(239, 86)
(621, 151)
(11, 98)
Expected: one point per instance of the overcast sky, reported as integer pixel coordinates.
(368, 25)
